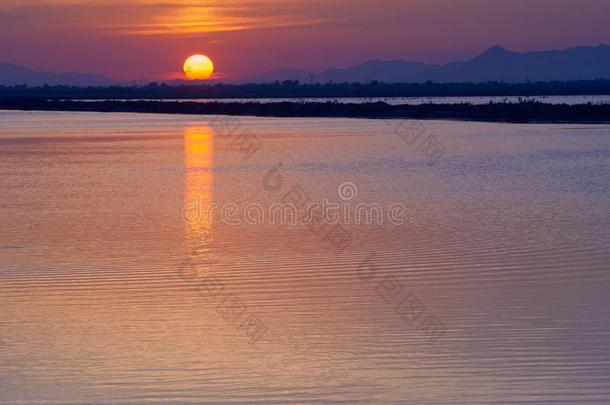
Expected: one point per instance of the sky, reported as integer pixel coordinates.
(149, 39)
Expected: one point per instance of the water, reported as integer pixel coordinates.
(110, 293)
(569, 100)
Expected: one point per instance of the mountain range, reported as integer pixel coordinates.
(495, 64)
(11, 75)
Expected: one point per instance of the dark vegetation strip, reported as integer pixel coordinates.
(294, 89)
(499, 112)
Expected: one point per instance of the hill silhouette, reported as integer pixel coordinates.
(494, 64)
(11, 75)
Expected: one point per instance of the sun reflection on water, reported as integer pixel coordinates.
(198, 189)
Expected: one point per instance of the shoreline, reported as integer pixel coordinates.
(526, 112)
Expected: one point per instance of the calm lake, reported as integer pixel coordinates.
(143, 261)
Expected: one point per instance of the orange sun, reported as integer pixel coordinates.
(198, 67)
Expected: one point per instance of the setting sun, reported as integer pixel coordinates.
(198, 67)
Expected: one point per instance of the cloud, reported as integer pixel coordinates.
(147, 17)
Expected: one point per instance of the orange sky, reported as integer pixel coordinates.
(150, 38)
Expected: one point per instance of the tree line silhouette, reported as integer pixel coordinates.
(295, 89)
(527, 111)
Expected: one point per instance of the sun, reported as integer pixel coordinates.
(198, 67)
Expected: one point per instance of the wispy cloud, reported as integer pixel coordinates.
(146, 17)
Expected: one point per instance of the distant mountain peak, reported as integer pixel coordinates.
(495, 51)
(497, 48)
(11, 74)
(494, 64)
